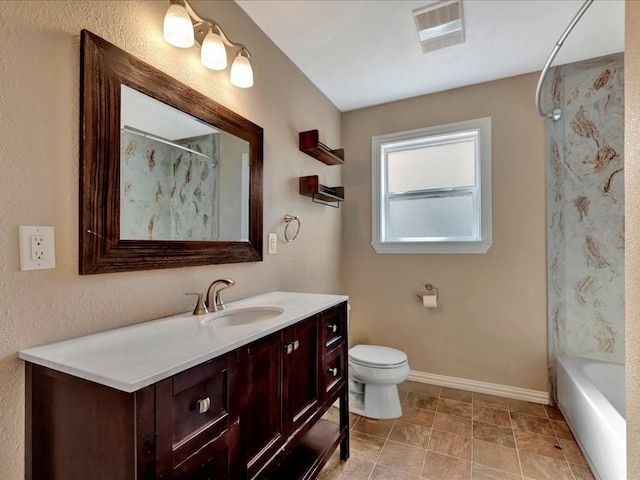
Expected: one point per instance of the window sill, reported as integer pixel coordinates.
(479, 247)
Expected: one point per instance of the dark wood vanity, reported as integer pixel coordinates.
(275, 408)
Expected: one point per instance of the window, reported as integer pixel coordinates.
(431, 190)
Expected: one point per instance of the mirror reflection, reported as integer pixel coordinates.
(181, 178)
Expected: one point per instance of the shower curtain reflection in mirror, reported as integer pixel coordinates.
(171, 174)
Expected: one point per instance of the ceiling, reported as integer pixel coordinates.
(366, 52)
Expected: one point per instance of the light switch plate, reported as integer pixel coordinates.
(37, 248)
(273, 243)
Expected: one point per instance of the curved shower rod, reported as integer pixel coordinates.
(556, 113)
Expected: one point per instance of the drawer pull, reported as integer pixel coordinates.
(288, 348)
(333, 371)
(203, 405)
(296, 345)
(333, 328)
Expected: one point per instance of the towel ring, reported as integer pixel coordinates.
(289, 219)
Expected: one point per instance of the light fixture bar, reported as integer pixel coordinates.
(199, 33)
(208, 34)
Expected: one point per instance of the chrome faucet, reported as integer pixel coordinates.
(214, 290)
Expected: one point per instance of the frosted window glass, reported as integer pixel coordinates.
(448, 217)
(433, 166)
(432, 189)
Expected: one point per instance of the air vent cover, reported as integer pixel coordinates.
(439, 24)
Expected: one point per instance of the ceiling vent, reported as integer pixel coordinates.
(439, 24)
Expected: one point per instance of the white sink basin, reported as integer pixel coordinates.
(241, 316)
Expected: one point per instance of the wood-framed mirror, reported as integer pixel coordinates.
(132, 217)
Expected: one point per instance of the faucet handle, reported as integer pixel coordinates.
(200, 309)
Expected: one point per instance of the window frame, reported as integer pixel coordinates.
(382, 144)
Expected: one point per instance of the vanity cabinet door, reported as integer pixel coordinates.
(261, 420)
(301, 387)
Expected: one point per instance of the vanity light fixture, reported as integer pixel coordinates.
(183, 28)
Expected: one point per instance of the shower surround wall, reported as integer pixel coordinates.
(164, 187)
(585, 212)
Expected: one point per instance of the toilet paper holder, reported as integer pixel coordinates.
(430, 288)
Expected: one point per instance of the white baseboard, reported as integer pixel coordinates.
(481, 387)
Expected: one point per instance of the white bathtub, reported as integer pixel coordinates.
(591, 395)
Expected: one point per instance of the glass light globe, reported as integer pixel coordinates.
(178, 29)
(213, 54)
(241, 72)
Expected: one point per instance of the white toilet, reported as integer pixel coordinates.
(374, 373)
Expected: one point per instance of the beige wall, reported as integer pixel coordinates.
(632, 215)
(39, 98)
(492, 322)
(491, 325)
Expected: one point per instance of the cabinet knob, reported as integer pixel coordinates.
(296, 345)
(333, 328)
(333, 371)
(288, 348)
(203, 405)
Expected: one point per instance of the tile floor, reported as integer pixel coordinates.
(448, 434)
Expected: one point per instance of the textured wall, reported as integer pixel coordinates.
(632, 225)
(39, 101)
(585, 211)
(491, 325)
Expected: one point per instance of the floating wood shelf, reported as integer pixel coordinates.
(311, 145)
(311, 187)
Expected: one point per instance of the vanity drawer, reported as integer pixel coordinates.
(333, 372)
(192, 408)
(200, 399)
(333, 326)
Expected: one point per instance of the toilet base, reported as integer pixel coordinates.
(381, 402)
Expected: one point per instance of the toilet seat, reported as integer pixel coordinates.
(377, 356)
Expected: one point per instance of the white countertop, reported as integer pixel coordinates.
(133, 357)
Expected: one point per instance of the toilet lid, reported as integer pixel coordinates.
(376, 355)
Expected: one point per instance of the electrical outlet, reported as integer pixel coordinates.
(37, 248)
(273, 243)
